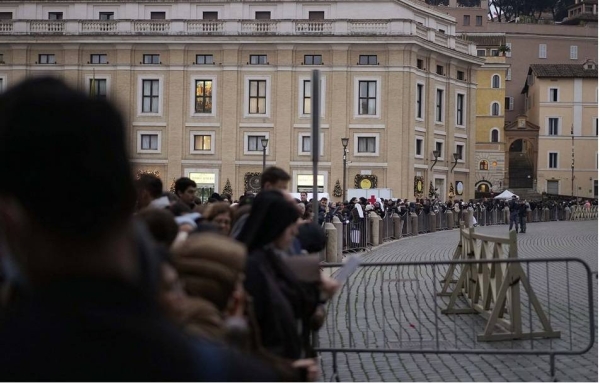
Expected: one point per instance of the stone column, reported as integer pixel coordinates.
(397, 225)
(374, 222)
(450, 219)
(432, 222)
(414, 223)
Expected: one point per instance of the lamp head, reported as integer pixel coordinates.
(455, 155)
(345, 142)
(264, 142)
(436, 153)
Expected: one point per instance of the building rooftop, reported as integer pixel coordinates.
(486, 39)
(564, 70)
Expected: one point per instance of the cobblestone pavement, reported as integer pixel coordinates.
(391, 307)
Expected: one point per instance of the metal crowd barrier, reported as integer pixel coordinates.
(395, 309)
(356, 234)
(388, 226)
(407, 224)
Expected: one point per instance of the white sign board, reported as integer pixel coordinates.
(368, 193)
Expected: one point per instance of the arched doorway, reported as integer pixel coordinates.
(483, 189)
(521, 164)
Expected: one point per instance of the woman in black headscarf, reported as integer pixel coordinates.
(280, 301)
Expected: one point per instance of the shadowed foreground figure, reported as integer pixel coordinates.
(86, 276)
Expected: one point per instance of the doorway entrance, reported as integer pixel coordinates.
(521, 169)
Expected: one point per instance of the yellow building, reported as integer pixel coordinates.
(489, 165)
(562, 101)
(201, 84)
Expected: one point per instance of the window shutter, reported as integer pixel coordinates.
(509, 51)
(511, 103)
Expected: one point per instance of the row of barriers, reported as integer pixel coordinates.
(485, 301)
(372, 230)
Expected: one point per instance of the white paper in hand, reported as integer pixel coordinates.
(348, 269)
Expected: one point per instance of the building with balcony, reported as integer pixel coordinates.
(200, 84)
(562, 103)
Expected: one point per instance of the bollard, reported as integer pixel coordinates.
(374, 228)
(464, 217)
(332, 241)
(432, 222)
(381, 224)
(483, 218)
(506, 215)
(414, 220)
(397, 225)
(450, 219)
(469, 217)
(567, 213)
(546, 214)
(529, 215)
(339, 227)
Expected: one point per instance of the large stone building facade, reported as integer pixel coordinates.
(562, 102)
(201, 83)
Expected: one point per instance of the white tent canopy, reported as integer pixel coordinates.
(507, 194)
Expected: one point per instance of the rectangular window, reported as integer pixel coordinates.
(151, 59)
(55, 15)
(99, 59)
(509, 103)
(439, 147)
(494, 52)
(419, 100)
(508, 74)
(460, 109)
(258, 60)
(542, 51)
(439, 69)
(552, 187)
(367, 97)
(210, 15)
(439, 105)
(158, 15)
(258, 97)
(573, 52)
(202, 142)
(420, 64)
(367, 60)
(149, 142)
(596, 125)
(481, 52)
(306, 144)
(419, 147)
(107, 16)
(150, 94)
(466, 20)
(5, 15)
(478, 21)
(264, 15)
(316, 15)
(204, 59)
(98, 88)
(553, 160)
(508, 53)
(254, 143)
(553, 97)
(203, 96)
(306, 97)
(313, 59)
(367, 145)
(460, 149)
(1, 58)
(46, 59)
(553, 126)
(460, 75)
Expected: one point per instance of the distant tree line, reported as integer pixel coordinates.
(509, 10)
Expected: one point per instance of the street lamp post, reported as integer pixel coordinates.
(264, 142)
(345, 145)
(455, 155)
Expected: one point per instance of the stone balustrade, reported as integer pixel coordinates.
(394, 27)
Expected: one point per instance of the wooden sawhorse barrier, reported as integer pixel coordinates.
(492, 289)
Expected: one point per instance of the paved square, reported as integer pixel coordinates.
(397, 307)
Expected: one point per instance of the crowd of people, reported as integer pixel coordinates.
(107, 277)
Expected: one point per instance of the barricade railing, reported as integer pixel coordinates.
(388, 225)
(395, 308)
(356, 235)
(407, 224)
(423, 222)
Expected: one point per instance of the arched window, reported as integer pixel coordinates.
(494, 137)
(483, 165)
(496, 81)
(495, 109)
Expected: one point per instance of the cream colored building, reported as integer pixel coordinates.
(200, 83)
(562, 100)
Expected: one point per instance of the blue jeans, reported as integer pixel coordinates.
(514, 218)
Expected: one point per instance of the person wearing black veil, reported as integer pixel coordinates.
(281, 301)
